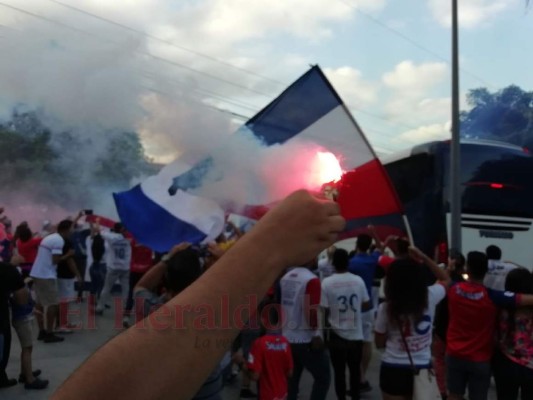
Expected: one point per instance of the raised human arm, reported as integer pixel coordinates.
(78, 217)
(515, 264)
(151, 279)
(389, 240)
(379, 244)
(292, 233)
(439, 273)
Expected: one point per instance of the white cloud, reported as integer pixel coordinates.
(411, 98)
(426, 133)
(415, 103)
(244, 19)
(472, 13)
(102, 77)
(296, 61)
(368, 5)
(213, 25)
(353, 89)
(412, 79)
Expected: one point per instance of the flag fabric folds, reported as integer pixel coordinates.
(309, 109)
(159, 221)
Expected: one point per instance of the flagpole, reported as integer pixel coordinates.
(408, 230)
(455, 148)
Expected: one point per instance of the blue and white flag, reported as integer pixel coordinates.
(164, 210)
(159, 221)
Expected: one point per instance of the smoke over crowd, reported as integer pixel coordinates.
(92, 112)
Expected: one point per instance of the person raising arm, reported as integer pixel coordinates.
(441, 274)
(141, 363)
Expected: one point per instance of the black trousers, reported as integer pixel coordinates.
(5, 330)
(511, 378)
(346, 353)
(135, 277)
(314, 361)
(81, 263)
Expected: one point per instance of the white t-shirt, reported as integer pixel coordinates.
(293, 287)
(119, 251)
(325, 268)
(44, 267)
(497, 274)
(344, 295)
(418, 337)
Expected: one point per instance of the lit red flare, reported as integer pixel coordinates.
(330, 174)
(329, 167)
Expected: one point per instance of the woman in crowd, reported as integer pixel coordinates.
(407, 317)
(513, 363)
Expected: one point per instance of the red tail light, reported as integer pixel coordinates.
(492, 185)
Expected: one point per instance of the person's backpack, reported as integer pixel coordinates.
(98, 248)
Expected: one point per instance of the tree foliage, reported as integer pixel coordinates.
(66, 167)
(505, 115)
(122, 160)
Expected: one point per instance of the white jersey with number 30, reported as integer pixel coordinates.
(344, 294)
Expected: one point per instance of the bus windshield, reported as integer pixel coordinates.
(495, 180)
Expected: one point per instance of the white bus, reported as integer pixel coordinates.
(497, 197)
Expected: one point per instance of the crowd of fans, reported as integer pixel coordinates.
(440, 327)
(44, 272)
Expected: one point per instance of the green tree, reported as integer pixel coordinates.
(23, 159)
(68, 168)
(505, 115)
(123, 160)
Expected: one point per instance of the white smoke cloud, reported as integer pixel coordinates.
(244, 171)
(95, 79)
(182, 127)
(247, 172)
(72, 79)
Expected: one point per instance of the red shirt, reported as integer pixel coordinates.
(271, 358)
(28, 250)
(385, 262)
(141, 258)
(473, 312)
(313, 292)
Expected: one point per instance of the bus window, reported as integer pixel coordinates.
(409, 175)
(496, 181)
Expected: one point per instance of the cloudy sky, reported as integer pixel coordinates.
(138, 62)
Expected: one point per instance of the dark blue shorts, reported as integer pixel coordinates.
(463, 374)
(396, 381)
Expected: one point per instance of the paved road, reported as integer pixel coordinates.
(58, 360)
